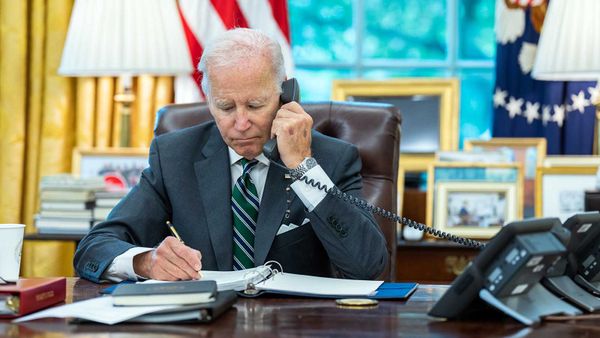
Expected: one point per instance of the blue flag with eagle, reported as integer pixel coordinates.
(562, 112)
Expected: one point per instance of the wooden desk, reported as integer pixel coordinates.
(431, 261)
(293, 317)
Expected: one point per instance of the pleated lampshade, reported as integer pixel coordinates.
(116, 37)
(569, 45)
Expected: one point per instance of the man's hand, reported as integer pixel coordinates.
(171, 260)
(292, 126)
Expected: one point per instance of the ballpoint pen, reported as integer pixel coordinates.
(174, 232)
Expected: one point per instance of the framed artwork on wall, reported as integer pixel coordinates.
(561, 190)
(120, 167)
(429, 108)
(530, 152)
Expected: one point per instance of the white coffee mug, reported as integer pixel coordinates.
(11, 244)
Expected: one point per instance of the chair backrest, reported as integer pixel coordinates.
(373, 127)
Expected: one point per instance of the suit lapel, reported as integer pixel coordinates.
(213, 173)
(270, 215)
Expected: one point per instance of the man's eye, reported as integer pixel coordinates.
(226, 108)
(255, 106)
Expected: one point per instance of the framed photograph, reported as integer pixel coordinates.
(480, 189)
(120, 167)
(423, 103)
(561, 190)
(530, 152)
(475, 209)
(572, 161)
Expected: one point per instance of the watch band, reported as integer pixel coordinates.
(304, 166)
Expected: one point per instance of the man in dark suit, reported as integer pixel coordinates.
(232, 208)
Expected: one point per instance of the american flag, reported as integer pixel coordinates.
(562, 112)
(204, 19)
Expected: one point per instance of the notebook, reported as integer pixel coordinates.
(264, 279)
(177, 293)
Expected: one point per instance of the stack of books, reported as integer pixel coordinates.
(105, 202)
(66, 204)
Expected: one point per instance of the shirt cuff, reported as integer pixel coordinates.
(309, 195)
(121, 267)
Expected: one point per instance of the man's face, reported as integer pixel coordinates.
(243, 101)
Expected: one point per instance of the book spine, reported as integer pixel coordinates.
(41, 297)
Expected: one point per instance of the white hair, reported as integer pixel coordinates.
(235, 47)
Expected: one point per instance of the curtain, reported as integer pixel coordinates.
(44, 116)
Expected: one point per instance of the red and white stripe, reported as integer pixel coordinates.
(204, 19)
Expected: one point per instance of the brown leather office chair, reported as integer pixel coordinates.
(373, 127)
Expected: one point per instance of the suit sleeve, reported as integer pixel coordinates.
(350, 235)
(138, 220)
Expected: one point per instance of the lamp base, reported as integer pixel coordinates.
(125, 99)
(124, 137)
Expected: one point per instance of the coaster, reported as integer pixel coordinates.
(356, 302)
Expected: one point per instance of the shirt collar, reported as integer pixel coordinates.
(234, 158)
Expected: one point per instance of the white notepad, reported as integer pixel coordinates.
(265, 279)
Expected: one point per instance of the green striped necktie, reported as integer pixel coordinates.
(244, 204)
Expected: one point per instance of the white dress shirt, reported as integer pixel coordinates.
(121, 267)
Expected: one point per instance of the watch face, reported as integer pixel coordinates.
(311, 162)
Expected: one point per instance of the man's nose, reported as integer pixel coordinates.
(241, 120)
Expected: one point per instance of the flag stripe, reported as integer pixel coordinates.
(203, 20)
(279, 11)
(230, 13)
(195, 50)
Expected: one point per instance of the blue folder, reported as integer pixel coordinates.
(398, 291)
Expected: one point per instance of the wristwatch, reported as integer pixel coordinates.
(304, 166)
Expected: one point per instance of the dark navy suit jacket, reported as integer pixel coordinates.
(188, 182)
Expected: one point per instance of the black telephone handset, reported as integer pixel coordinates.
(290, 91)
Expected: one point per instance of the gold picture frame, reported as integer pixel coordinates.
(394, 91)
(529, 151)
(468, 172)
(571, 161)
(475, 209)
(559, 190)
(120, 167)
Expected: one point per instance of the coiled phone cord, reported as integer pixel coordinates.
(388, 214)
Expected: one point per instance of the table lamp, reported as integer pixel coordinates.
(569, 47)
(125, 38)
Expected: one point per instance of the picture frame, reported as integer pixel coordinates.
(571, 161)
(475, 209)
(529, 151)
(560, 191)
(420, 101)
(120, 167)
(495, 177)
